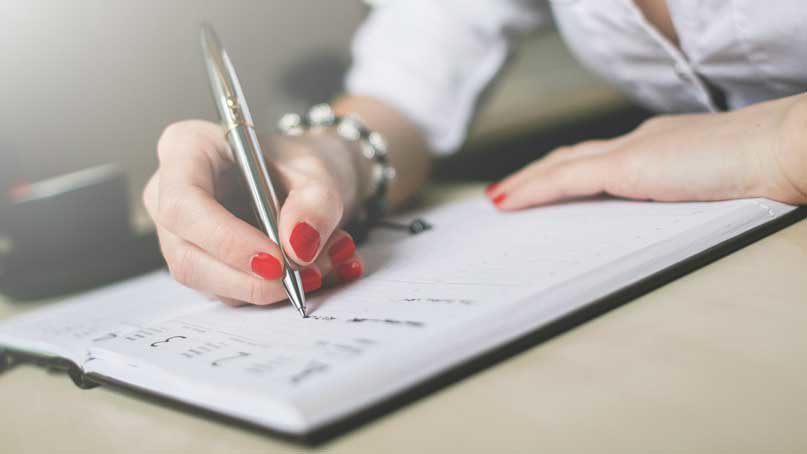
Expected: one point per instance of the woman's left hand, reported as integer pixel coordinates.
(758, 151)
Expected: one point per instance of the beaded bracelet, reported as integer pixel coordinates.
(373, 147)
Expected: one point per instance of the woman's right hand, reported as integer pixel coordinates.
(211, 250)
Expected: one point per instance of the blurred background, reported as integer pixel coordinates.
(93, 83)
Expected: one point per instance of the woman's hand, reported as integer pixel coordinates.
(209, 249)
(758, 151)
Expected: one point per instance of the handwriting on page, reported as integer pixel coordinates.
(387, 321)
(156, 344)
(189, 345)
(106, 314)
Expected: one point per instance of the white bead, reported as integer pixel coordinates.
(368, 151)
(378, 143)
(349, 129)
(290, 123)
(321, 115)
(383, 173)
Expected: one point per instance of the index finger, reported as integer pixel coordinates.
(191, 157)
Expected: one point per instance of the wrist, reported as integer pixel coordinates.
(353, 171)
(791, 153)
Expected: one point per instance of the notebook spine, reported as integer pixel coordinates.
(80, 378)
(10, 358)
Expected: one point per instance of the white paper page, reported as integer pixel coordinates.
(265, 364)
(67, 329)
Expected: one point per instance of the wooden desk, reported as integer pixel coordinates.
(714, 362)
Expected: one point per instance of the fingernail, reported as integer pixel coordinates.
(342, 250)
(499, 199)
(491, 187)
(349, 271)
(266, 266)
(312, 279)
(305, 241)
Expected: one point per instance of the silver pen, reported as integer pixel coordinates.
(240, 132)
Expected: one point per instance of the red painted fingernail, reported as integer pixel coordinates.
(491, 187)
(266, 266)
(342, 250)
(312, 279)
(499, 199)
(305, 241)
(349, 271)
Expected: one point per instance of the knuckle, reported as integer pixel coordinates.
(553, 156)
(654, 122)
(564, 174)
(560, 151)
(175, 129)
(226, 244)
(171, 135)
(149, 194)
(589, 144)
(182, 268)
(182, 135)
(170, 210)
(649, 122)
(557, 170)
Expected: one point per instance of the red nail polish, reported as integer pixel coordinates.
(349, 271)
(491, 187)
(305, 241)
(499, 199)
(312, 279)
(266, 266)
(342, 250)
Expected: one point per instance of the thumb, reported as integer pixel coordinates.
(308, 217)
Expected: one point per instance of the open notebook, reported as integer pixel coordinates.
(430, 302)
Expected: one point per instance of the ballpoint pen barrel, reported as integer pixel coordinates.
(249, 156)
(240, 132)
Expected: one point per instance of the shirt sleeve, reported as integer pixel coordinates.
(431, 59)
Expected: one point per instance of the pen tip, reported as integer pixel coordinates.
(291, 281)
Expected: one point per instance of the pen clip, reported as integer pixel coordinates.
(224, 83)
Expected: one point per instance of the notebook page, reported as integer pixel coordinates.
(67, 329)
(461, 281)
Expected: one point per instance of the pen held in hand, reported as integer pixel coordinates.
(240, 132)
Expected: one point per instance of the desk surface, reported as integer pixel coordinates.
(714, 362)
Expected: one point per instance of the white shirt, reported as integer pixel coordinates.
(432, 59)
